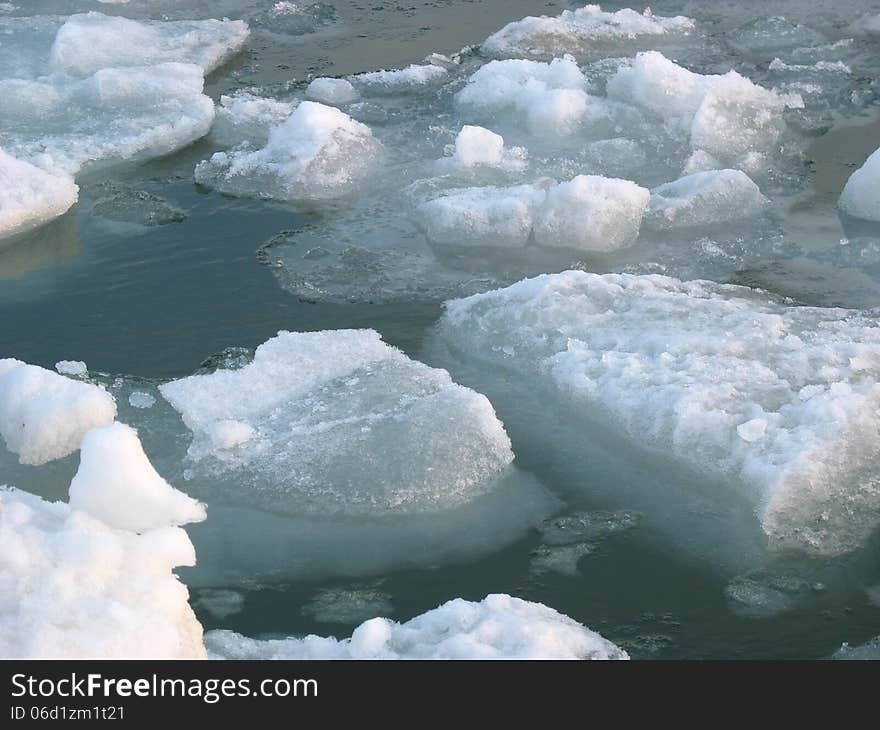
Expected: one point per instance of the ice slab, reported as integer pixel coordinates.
(73, 586)
(779, 401)
(498, 627)
(30, 196)
(318, 152)
(298, 428)
(44, 415)
(705, 199)
(414, 77)
(349, 605)
(861, 194)
(575, 30)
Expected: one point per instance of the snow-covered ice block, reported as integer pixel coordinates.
(861, 194)
(478, 146)
(484, 216)
(318, 152)
(591, 213)
(30, 196)
(781, 402)
(550, 96)
(44, 415)
(73, 586)
(74, 368)
(400, 81)
(331, 91)
(117, 484)
(727, 116)
(244, 116)
(498, 627)
(574, 30)
(89, 42)
(705, 199)
(297, 430)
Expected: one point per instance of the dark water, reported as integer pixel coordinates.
(155, 301)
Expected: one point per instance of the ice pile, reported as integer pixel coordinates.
(30, 196)
(861, 195)
(317, 152)
(43, 415)
(498, 627)
(727, 117)
(704, 199)
(780, 401)
(575, 31)
(91, 88)
(589, 213)
(93, 578)
(338, 422)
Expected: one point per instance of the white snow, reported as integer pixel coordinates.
(706, 198)
(73, 586)
(550, 97)
(498, 627)
(861, 194)
(588, 213)
(726, 116)
(575, 30)
(43, 415)
(400, 81)
(298, 429)
(117, 484)
(318, 152)
(30, 197)
(331, 91)
(478, 146)
(780, 401)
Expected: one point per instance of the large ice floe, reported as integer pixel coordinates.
(92, 89)
(30, 196)
(317, 152)
(498, 627)
(93, 578)
(779, 401)
(861, 195)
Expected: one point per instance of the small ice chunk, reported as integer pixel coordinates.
(870, 650)
(551, 97)
(30, 196)
(139, 399)
(561, 559)
(318, 152)
(591, 213)
(575, 30)
(43, 415)
(498, 627)
(705, 199)
(331, 91)
(582, 526)
(486, 216)
(351, 605)
(244, 116)
(221, 603)
(861, 194)
(678, 367)
(478, 146)
(308, 414)
(117, 484)
(401, 81)
(74, 368)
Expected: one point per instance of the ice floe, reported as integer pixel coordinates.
(30, 196)
(779, 400)
(498, 627)
(44, 415)
(861, 195)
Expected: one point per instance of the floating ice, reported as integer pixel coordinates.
(870, 650)
(400, 81)
(298, 428)
(244, 116)
(72, 586)
(726, 116)
(139, 399)
(580, 526)
(705, 199)
(550, 97)
(74, 368)
(498, 627)
(29, 196)
(318, 152)
(43, 415)
(331, 91)
(686, 368)
(561, 559)
(861, 195)
(351, 605)
(574, 30)
(219, 602)
(478, 146)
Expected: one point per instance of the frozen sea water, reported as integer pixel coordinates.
(148, 275)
